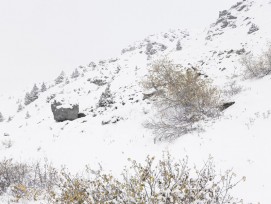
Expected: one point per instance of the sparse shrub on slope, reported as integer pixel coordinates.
(183, 98)
(257, 67)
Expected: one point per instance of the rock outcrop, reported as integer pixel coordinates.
(64, 109)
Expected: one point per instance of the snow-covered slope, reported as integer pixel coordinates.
(239, 139)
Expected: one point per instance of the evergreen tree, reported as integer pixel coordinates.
(1, 117)
(34, 94)
(149, 48)
(60, 78)
(178, 46)
(9, 118)
(27, 99)
(67, 81)
(20, 108)
(75, 74)
(43, 87)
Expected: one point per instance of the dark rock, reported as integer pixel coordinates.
(81, 115)
(231, 17)
(226, 105)
(148, 95)
(64, 111)
(241, 8)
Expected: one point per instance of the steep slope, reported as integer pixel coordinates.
(109, 135)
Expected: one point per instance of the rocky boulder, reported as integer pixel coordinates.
(64, 109)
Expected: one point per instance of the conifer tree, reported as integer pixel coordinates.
(1, 117)
(27, 99)
(34, 94)
(60, 78)
(20, 108)
(43, 87)
(178, 46)
(75, 74)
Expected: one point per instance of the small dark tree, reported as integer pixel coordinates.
(27, 99)
(106, 98)
(67, 80)
(9, 119)
(178, 46)
(1, 117)
(34, 94)
(75, 74)
(43, 87)
(20, 108)
(60, 78)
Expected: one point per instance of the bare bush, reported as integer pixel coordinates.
(232, 89)
(163, 182)
(184, 97)
(26, 181)
(257, 67)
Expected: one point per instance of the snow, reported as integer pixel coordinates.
(239, 139)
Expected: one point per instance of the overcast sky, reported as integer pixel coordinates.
(39, 38)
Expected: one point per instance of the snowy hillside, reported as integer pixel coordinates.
(108, 135)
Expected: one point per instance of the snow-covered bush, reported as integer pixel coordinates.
(257, 67)
(106, 98)
(163, 181)
(26, 181)
(154, 182)
(50, 97)
(183, 98)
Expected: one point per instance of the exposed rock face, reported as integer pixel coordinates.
(64, 110)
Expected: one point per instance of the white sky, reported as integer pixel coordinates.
(39, 38)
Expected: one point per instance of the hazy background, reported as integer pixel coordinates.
(39, 38)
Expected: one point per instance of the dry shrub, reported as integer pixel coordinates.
(163, 182)
(257, 67)
(183, 98)
(26, 181)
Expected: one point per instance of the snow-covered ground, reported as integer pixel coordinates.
(239, 139)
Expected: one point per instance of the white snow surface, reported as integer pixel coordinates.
(239, 139)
